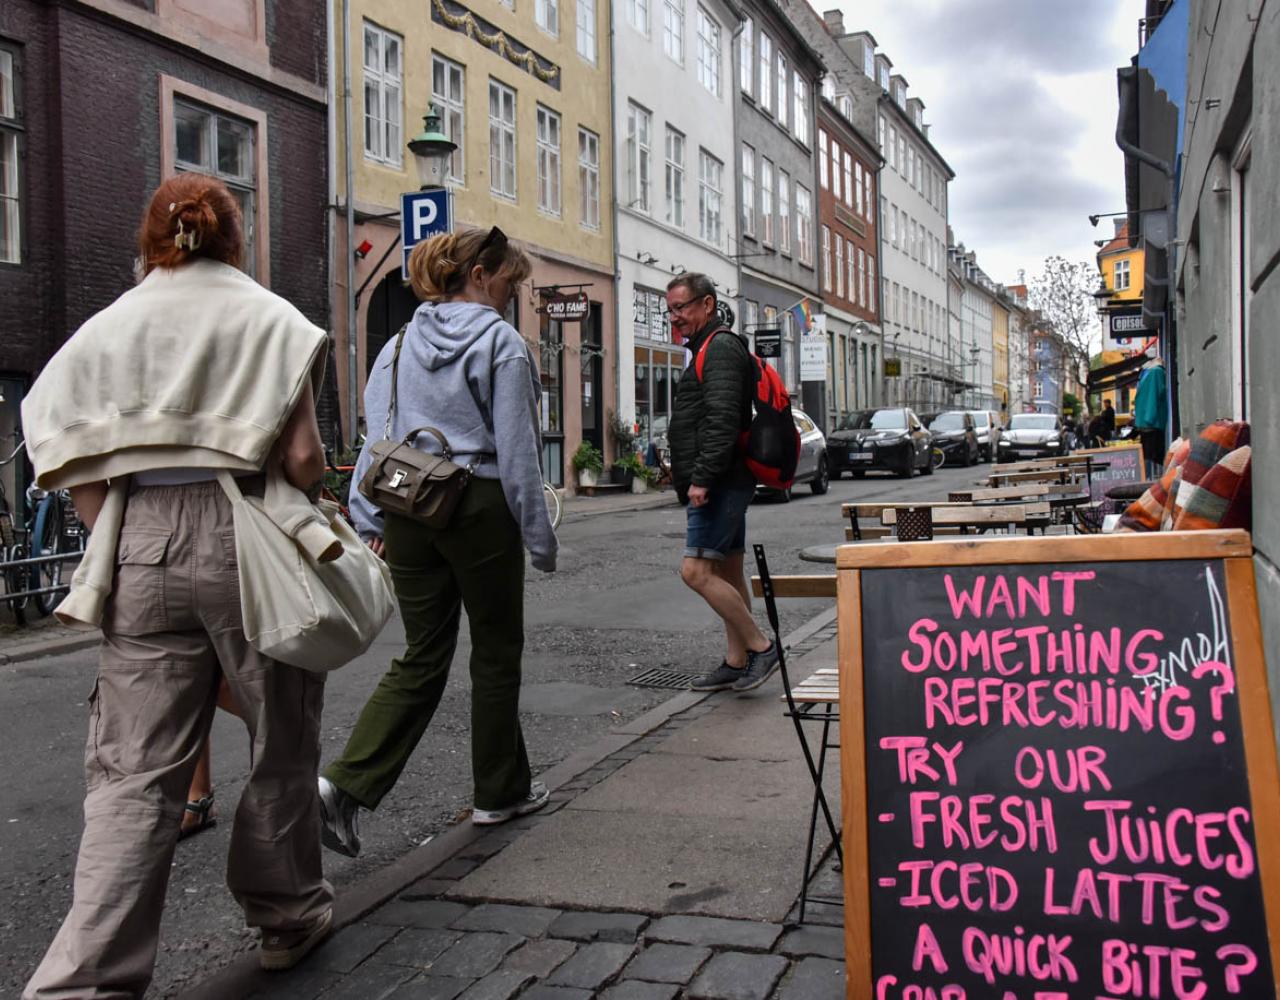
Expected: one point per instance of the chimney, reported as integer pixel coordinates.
(835, 21)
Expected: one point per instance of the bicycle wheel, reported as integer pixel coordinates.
(555, 505)
(937, 458)
(15, 581)
(47, 540)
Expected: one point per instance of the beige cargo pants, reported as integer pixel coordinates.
(172, 622)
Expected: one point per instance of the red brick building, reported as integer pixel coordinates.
(102, 99)
(848, 261)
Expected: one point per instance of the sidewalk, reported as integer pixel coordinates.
(667, 865)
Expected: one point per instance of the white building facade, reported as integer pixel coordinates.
(675, 177)
(973, 340)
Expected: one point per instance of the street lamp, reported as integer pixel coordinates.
(432, 150)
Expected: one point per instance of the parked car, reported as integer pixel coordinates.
(892, 439)
(813, 466)
(986, 424)
(1032, 435)
(954, 432)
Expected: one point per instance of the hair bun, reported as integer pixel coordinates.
(196, 216)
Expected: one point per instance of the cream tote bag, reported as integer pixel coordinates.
(317, 616)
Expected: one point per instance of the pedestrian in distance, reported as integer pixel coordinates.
(1107, 421)
(710, 475)
(466, 372)
(197, 369)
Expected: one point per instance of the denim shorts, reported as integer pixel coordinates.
(719, 527)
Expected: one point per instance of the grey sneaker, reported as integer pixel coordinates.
(760, 667)
(285, 949)
(535, 800)
(339, 819)
(720, 679)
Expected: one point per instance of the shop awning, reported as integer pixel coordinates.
(1116, 376)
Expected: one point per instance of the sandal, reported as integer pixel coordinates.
(202, 809)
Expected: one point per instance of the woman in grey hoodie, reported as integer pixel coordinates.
(468, 373)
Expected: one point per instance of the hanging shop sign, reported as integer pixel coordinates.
(769, 342)
(892, 367)
(566, 308)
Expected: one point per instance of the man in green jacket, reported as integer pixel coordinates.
(711, 478)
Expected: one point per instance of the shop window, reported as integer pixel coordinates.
(10, 145)
(551, 368)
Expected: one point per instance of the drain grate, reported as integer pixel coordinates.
(655, 677)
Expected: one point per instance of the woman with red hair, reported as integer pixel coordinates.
(196, 370)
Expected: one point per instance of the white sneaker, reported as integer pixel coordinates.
(535, 800)
(339, 819)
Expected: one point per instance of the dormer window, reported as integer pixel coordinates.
(884, 77)
(900, 95)
(869, 61)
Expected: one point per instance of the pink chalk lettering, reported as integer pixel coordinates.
(916, 634)
(1232, 974)
(997, 956)
(966, 600)
(927, 947)
(1069, 579)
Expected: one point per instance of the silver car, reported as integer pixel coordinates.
(986, 424)
(812, 466)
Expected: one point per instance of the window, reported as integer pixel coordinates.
(848, 179)
(548, 161)
(784, 211)
(448, 92)
(868, 207)
(804, 222)
(1120, 275)
(784, 74)
(868, 60)
(860, 196)
(750, 319)
(839, 266)
(826, 259)
(586, 30)
(224, 147)
(589, 177)
(638, 15)
(708, 52)
(846, 106)
(746, 57)
(911, 162)
(893, 225)
(766, 200)
(748, 190)
(766, 72)
(836, 186)
(800, 114)
(893, 146)
(710, 198)
(638, 153)
(861, 283)
(853, 284)
(382, 91)
(829, 88)
(871, 284)
(675, 178)
(10, 191)
(502, 140)
(673, 29)
(880, 125)
(547, 14)
(902, 154)
(822, 160)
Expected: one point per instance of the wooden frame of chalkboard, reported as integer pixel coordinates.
(1228, 968)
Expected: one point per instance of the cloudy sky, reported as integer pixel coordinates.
(1021, 99)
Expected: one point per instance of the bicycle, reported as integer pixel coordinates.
(555, 504)
(12, 549)
(55, 529)
(937, 457)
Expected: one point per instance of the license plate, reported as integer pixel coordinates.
(1027, 453)
(859, 456)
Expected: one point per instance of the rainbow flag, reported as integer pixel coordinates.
(803, 315)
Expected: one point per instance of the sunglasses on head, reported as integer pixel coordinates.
(496, 238)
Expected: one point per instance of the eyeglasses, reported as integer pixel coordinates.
(679, 307)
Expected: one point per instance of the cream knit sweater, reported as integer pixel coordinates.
(198, 366)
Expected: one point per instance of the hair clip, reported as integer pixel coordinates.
(186, 241)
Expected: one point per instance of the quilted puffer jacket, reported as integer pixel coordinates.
(708, 415)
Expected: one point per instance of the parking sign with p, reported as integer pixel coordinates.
(422, 214)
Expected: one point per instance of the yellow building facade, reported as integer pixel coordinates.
(1000, 355)
(524, 90)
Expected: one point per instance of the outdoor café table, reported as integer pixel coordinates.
(820, 553)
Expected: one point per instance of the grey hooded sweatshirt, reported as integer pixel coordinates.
(466, 371)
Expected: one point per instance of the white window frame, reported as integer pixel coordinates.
(639, 158)
(872, 287)
(838, 269)
(1120, 269)
(709, 36)
(784, 76)
(502, 128)
(804, 222)
(585, 30)
(549, 136)
(589, 178)
(848, 178)
(862, 278)
(674, 176)
(385, 145)
(836, 186)
(451, 104)
(766, 73)
(766, 201)
(823, 164)
(800, 111)
(784, 212)
(546, 15)
(710, 199)
(748, 190)
(746, 56)
(826, 259)
(11, 149)
(638, 15)
(673, 30)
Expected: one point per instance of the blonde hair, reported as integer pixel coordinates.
(438, 267)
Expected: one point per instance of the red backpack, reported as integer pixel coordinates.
(771, 444)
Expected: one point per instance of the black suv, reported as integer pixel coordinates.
(892, 439)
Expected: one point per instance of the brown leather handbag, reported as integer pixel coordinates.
(412, 483)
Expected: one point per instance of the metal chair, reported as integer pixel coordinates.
(803, 701)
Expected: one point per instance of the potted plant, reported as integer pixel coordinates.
(639, 474)
(624, 446)
(588, 462)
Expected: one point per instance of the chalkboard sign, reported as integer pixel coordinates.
(1123, 465)
(1058, 772)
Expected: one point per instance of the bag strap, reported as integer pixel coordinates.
(395, 379)
(445, 450)
(229, 486)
